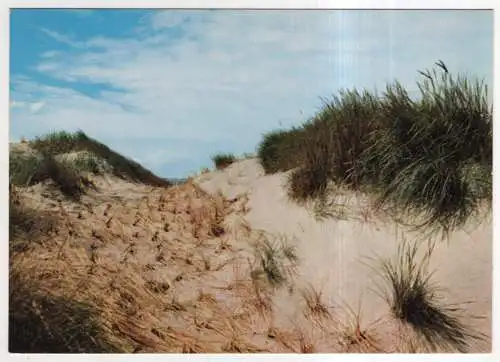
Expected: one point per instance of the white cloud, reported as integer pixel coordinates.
(50, 54)
(32, 107)
(167, 19)
(35, 107)
(229, 75)
(61, 38)
(14, 104)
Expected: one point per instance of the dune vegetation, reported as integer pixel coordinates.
(87, 153)
(427, 157)
(223, 160)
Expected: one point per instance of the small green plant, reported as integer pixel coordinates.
(223, 160)
(277, 259)
(22, 167)
(270, 264)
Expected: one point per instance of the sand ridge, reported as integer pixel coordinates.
(334, 252)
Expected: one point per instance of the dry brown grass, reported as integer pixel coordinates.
(356, 336)
(315, 306)
(111, 271)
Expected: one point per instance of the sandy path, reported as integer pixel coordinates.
(332, 252)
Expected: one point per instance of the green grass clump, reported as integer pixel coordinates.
(22, 167)
(423, 155)
(428, 156)
(68, 181)
(58, 142)
(276, 259)
(414, 300)
(223, 160)
(280, 150)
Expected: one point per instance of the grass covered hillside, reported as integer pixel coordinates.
(48, 155)
(428, 156)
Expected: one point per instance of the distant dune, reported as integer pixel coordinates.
(177, 181)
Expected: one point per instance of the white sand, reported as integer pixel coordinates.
(332, 252)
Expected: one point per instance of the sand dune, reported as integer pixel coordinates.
(333, 253)
(189, 268)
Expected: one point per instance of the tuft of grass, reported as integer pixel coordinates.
(308, 182)
(29, 170)
(22, 167)
(429, 156)
(223, 160)
(413, 299)
(67, 180)
(315, 305)
(336, 140)
(289, 251)
(355, 335)
(270, 264)
(276, 259)
(422, 159)
(306, 343)
(88, 162)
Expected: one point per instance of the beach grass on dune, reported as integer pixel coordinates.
(415, 300)
(66, 159)
(280, 150)
(428, 156)
(56, 143)
(67, 177)
(223, 160)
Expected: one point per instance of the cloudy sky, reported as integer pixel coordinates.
(171, 88)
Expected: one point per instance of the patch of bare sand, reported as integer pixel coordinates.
(333, 255)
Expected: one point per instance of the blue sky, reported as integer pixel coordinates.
(171, 88)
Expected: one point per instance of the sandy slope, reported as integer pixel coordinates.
(178, 269)
(332, 252)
